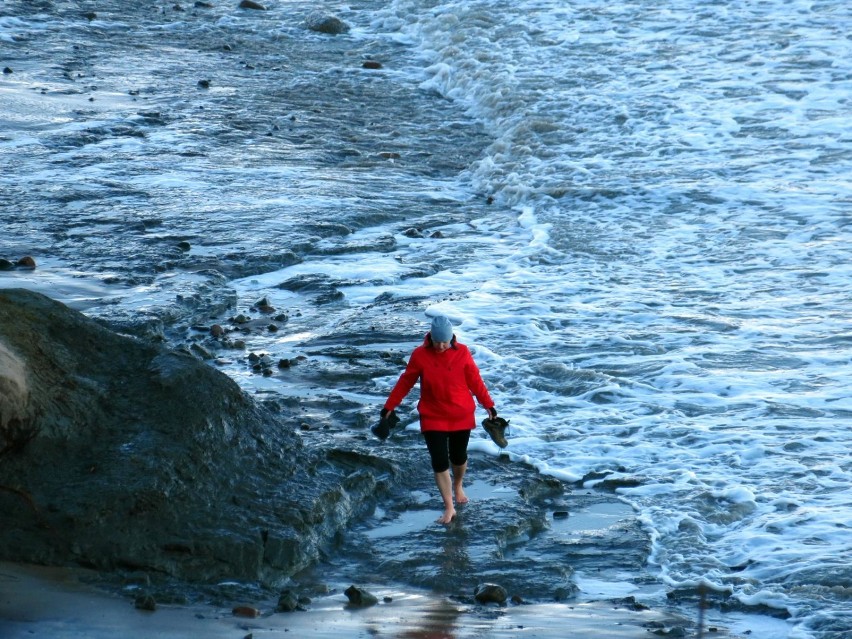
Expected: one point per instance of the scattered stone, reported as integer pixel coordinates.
(491, 593)
(263, 305)
(360, 597)
(199, 351)
(145, 602)
(272, 328)
(90, 15)
(7, 70)
(250, 4)
(325, 23)
(630, 602)
(437, 235)
(287, 602)
(518, 600)
(202, 5)
(562, 593)
(372, 64)
(389, 155)
(415, 233)
(184, 246)
(6, 265)
(217, 331)
(560, 514)
(242, 319)
(227, 47)
(387, 599)
(204, 84)
(284, 363)
(246, 611)
(26, 262)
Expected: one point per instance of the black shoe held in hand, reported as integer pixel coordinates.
(496, 429)
(387, 421)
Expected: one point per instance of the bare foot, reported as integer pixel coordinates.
(461, 498)
(447, 517)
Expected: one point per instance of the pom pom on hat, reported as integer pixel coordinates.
(442, 329)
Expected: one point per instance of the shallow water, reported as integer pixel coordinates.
(644, 216)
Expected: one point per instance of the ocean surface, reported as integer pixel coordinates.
(638, 214)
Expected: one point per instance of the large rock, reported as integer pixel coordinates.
(325, 23)
(116, 453)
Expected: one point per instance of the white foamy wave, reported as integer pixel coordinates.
(673, 315)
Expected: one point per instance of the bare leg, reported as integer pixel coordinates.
(445, 487)
(458, 477)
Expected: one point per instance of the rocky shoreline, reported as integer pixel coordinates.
(157, 473)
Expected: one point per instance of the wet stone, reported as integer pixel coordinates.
(491, 593)
(360, 597)
(287, 602)
(324, 23)
(145, 602)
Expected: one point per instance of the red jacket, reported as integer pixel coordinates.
(448, 382)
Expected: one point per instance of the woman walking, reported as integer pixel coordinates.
(449, 380)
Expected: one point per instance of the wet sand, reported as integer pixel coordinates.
(56, 603)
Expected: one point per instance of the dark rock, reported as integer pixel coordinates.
(245, 611)
(184, 246)
(372, 64)
(287, 602)
(199, 4)
(413, 233)
(560, 514)
(26, 262)
(360, 597)
(325, 23)
(491, 593)
(217, 331)
(204, 84)
(7, 70)
(113, 465)
(145, 602)
(250, 4)
(90, 15)
(6, 265)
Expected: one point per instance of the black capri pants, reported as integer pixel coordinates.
(445, 447)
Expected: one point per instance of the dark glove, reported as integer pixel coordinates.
(383, 413)
(492, 412)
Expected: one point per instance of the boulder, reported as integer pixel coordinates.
(491, 593)
(360, 597)
(104, 463)
(325, 23)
